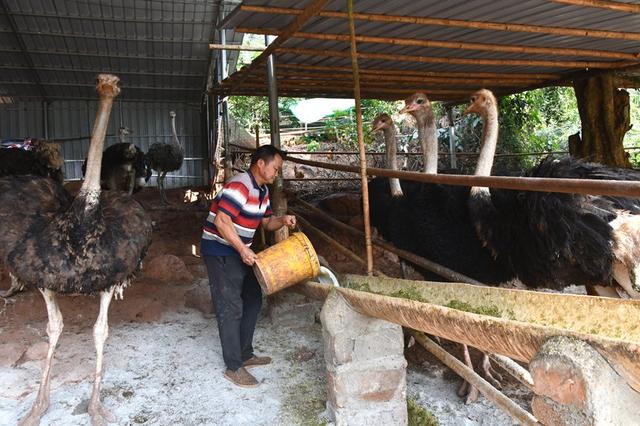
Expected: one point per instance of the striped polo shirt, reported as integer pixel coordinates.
(246, 203)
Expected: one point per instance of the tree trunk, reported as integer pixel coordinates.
(604, 112)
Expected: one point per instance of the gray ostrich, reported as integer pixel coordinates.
(166, 157)
(92, 246)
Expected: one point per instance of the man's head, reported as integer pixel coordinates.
(265, 163)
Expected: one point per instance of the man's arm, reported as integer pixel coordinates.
(225, 227)
(273, 223)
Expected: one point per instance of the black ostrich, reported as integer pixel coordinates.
(166, 157)
(433, 221)
(93, 246)
(552, 240)
(44, 159)
(124, 168)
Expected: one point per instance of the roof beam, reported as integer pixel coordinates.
(110, 38)
(23, 49)
(70, 84)
(123, 20)
(106, 55)
(454, 45)
(461, 61)
(312, 9)
(402, 72)
(96, 71)
(481, 25)
(609, 5)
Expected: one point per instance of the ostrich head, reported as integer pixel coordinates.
(381, 122)
(481, 102)
(417, 105)
(49, 153)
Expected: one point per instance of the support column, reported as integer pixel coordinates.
(366, 368)
(575, 385)
(228, 166)
(278, 198)
(452, 140)
(605, 116)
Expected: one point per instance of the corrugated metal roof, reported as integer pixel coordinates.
(53, 50)
(454, 47)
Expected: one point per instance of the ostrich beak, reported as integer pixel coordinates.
(409, 108)
(468, 110)
(377, 127)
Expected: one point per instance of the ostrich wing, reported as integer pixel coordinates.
(27, 203)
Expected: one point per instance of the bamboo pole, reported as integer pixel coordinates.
(457, 45)
(483, 25)
(514, 369)
(335, 244)
(363, 158)
(491, 393)
(571, 186)
(609, 5)
(411, 257)
(461, 61)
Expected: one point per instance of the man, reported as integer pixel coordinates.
(236, 212)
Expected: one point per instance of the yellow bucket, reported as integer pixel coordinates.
(286, 263)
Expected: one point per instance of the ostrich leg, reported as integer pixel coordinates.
(54, 329)
(489, 372)
(16, 286)
(163, 195)
(100, 333)
(466, 389)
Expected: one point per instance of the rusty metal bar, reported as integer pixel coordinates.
(483, 25)
(603, 4)
(434, 267)
(491, 393)
(575, 186)
(363, 158)
(214, 46)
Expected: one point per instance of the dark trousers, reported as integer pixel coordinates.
(237, 299)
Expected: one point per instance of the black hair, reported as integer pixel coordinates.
(266, 153)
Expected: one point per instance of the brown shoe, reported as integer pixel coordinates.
(241, 377)
(256, 361)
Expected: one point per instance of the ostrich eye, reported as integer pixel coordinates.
(473, 99)
(419, 101)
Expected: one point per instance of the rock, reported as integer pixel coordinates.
(199, 298)
(168, 268)
(10, 353)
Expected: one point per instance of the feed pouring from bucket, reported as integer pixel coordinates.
(287, 263)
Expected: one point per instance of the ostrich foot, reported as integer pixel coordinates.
(36, 412)
(99, 415)
(489, 372)
(466, 388)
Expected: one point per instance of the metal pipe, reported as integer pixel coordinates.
(45, 119)
(274, 116)
(452, 140)
(223, 54)
(575, 186)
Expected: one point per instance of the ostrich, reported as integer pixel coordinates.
(433, 221)
(550, 239)
(44, 159)
(93, 246)
(384, 123)
(166, 157)
(419, 106)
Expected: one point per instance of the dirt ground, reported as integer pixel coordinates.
(163, 362)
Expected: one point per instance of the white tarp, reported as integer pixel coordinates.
(312, 110)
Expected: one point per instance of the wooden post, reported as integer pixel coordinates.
(363, 158)
(605, 115)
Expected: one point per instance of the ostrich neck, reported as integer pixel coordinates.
(391, 148)
(94, 158)
(487, 148)
(176, 141)
(428, 135)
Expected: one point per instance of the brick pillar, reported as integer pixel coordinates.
(575, 385)
(366, 369)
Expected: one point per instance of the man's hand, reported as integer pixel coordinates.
(289, 221)
(248, 256)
